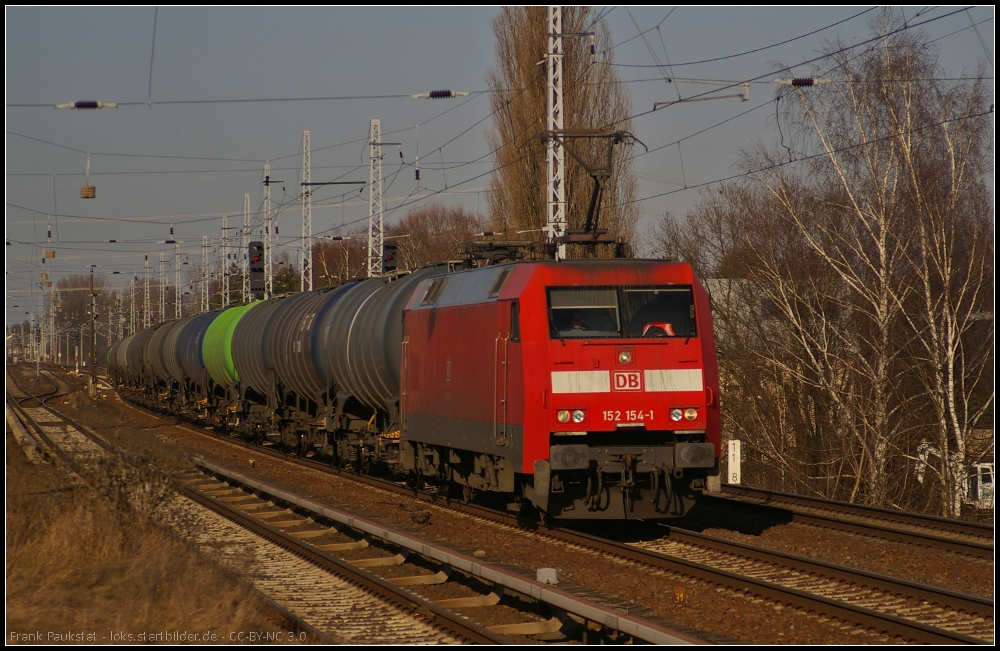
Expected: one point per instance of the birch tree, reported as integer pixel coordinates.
(868, 267)
(951, 261)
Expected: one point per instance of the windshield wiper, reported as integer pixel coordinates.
(555, 330)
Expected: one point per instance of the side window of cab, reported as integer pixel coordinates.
(515, 322)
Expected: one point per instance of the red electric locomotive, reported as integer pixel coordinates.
(588, 387)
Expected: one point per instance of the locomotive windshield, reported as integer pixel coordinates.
(621, 312)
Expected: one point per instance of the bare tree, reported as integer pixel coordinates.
(339, 261)
(594, 98)
(73, 317)
(859, 280)
(951, 310)
(433, 234)
(424, 236)
(786, 389)
(907, 157)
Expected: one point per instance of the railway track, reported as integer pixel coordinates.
(957, 536)
(313, 599)
(444, 578)
(345, 609)
(899, 610)
(906, 608)
(340, 600)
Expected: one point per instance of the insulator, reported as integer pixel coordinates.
(804, 81)
(89, 104)
(438, 94)
(171, 230)
(276, 230)
(418, 175)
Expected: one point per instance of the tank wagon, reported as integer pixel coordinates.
(587, 389)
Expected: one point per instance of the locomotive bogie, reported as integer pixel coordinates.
(484, 472)
(614, 491)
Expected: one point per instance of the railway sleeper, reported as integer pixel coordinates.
(548, 623)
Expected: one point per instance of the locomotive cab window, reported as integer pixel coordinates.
(622, 312)
(583, 312)
(659, 311)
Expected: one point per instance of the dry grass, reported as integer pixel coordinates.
(86, 560)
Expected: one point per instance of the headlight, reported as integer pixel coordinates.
(562, 415)
(691, 413)
(625, 357)
(676, 414)
(578, 416)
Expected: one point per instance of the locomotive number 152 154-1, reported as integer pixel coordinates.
(627, 416)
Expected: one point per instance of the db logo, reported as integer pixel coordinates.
(627, 380)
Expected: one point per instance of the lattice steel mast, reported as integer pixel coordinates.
(268, 276)
(375, 206)
(204, 274)
(145, 292)
(163, 291)
(178, 304)
(555, 156)
(246, 244)
(305, 245)
(131, 323)
(225, 262)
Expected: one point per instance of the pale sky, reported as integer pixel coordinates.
(187, 164)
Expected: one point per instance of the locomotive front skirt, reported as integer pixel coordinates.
(585, 389)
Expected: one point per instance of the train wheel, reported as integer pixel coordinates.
(545, 518)
(528, 514)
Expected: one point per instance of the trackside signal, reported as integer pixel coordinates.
(255, 256)
(389, 259)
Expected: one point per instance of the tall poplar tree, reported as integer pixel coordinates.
(594, 98)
